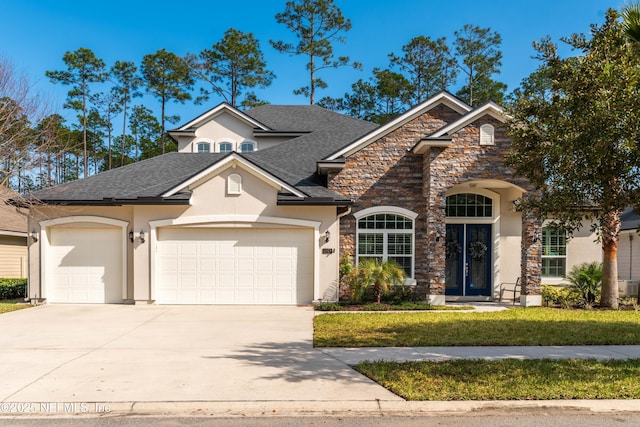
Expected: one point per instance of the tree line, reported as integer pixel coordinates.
(111, 130)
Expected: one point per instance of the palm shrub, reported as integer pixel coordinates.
(381, 276)
(586, 282)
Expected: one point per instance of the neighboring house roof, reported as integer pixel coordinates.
(12, 222)
(630, 220)
(164, 179)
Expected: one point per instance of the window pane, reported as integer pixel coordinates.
(246, 147)
(469, 205)
(405, 263)
(225, 147)
(554, 252)
(370, 244)
(386, 236)
(399, 244)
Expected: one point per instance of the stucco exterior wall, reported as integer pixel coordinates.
(210, 206)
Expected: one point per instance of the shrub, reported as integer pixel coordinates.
(586, 282)
(328, 306)
(556, 295)
(12, 288)
(379, 276)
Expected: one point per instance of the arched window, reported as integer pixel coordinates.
(386, 236)
(247, 147)
(469, 205)
(234, 184)
(225, 147)
(204, 147)
(486, 135)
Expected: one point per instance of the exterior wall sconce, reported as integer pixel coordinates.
(131, 236)
(34, 236)
(141, 236)
(327, 236)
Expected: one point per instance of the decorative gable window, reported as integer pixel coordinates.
(486, 135)
(247, 147)
(234, 184)
(204, 147)
(225, 147)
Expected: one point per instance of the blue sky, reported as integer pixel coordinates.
(36, 33)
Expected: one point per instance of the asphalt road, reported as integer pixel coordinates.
(530, 418)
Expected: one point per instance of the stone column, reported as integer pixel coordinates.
(531, 260)
(435, 215)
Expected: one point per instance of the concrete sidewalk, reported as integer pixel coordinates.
(353, 356)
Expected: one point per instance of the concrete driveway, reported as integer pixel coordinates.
(123, 353)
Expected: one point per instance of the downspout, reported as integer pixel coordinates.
(630, 256)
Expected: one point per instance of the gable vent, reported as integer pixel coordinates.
(486, 135)
(234, 184)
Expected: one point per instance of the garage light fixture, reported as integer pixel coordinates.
(131, 236)
(141, 236)
(327, 236)
(34, 236)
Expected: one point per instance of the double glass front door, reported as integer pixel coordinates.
(468, 259)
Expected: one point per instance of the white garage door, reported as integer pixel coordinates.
(234, 266)
(84, 265)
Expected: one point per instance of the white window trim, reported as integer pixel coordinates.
(253, 143)
(194, 144)
(389, 210)
(546, 225)
(225, 141)
(208, 144)
(487, 134)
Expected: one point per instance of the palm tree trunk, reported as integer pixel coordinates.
(610, 239)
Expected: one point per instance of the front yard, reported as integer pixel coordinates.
(509, 379)
(518, 326)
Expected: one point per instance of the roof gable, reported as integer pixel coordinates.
(489, 108)
(232, 160)
(215, 111)
(443, 98)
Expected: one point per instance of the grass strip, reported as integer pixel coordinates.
(12, 305)
(514, 327)
(509, 379)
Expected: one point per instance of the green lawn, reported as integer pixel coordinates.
(11, 305)
(508, 379)
(518, 326)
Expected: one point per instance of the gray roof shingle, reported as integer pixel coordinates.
(293, 162)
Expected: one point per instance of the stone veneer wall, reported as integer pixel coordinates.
(387, 173)
(464, 160)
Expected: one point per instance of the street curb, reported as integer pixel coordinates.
(242, 409)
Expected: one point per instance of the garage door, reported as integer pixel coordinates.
(234, 266)
(84, 265)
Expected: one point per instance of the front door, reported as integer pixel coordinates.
(468, 260)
